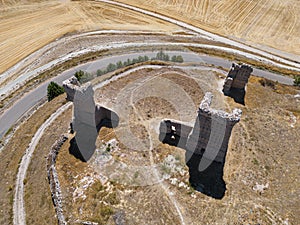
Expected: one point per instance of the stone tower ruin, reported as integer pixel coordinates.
(211, 132)
(205, 143)
(236, 81)
(208, 137)
(88, 117)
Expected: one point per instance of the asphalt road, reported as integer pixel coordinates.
(29, 100)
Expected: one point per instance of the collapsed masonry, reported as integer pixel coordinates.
(236, 81)
(205, 143)
(54, 181)
(88, 117)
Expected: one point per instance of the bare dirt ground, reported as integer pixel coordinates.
(26, 27)
(270, 23)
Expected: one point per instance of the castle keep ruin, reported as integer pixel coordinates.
(235, 82)
(205, 143)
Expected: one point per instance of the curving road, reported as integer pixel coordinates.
(29, 100)
(14, 84)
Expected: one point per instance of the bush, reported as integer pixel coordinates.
(119, 64)
(100, 72)
(297, 80)
(54, 90)
(267, 83)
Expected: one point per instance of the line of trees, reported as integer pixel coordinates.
(159, 56)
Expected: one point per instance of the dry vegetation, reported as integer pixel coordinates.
(264, 147)
(272, 23)
(11, 157)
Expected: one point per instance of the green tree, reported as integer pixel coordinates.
(129, 62)
(119, 64)
(111, 67)
(54, 90)
(79, 74)
(141, 59)
(297, 80)
(160, 55)
(100, 72)
(173, 59)
(179, 59)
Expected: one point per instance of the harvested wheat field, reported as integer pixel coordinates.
(272, 23)
(25, 27)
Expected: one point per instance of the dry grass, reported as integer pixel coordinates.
(37, 192)
(11, 156)
(243, 59)
(272, 23)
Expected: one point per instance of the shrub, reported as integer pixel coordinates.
(297, 80)
(119, 64)
(100, 72)
(267, 83)
(111, 67)
(54, 90)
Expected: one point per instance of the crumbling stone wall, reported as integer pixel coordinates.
(174, 132)
(88, 118)
(103, 115)
(53, 179)
(237, 77)
(70, 86)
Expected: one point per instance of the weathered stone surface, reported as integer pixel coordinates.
(54, 181)
(71, 85)
(105, 117)
(212, 130)
(174, 132)
(208, 137)
(84, 120)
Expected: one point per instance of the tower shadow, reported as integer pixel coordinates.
(209, 181)
(237, 94)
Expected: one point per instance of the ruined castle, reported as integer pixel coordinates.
(205, 142)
